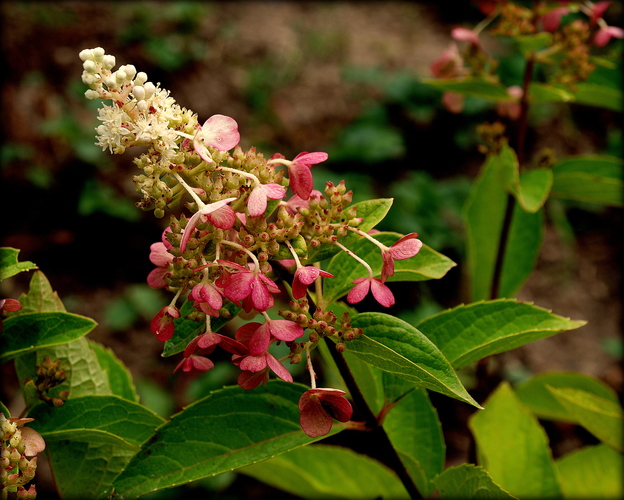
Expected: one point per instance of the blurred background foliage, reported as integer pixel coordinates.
(339, 77)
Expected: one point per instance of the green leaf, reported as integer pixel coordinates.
(186, 329)
(602, 96)
(527, 44)
(9, 266)
(415, 432)
(395, 346)
(427, 264)
(535, 187)
(468, 481)
(299, 245)
(372, 211)
(369, 379)
(513, 447)
(542, 92)
(29, 332)
(324, 471)
(229, 429)
(591, 472)
(471, 87)
(590, 178)
(119, 377)
(600, 416)
(470, 332)
(536, 396)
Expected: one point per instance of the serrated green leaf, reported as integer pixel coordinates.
(590, 178)
(534, 393)
(470, 332)
(468, 481)
(229, 429)
(591, 472)
(40, 297)
(119, 377)
(600, 416)
(311, 472)
(513, 447)
(186, 329)
(9, 265)
(395, 346)
(427, 264)
(471, 87)
(602, 96)
(415, 432)
(29, 332)
(372, 211)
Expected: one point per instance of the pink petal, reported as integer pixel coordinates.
(250, 380)
(189, 230)
(257, 201)
(245, 332)
(274, 191)
(301, 181)
(313, 419)
(156, 277)
(208, 339)
(254, 363)
(387, 268)
(34, 442)
(223, 218)
(239, 286)
(278, 368)
(159, 255)
(408, 246)
(283, 329)
(465, 35)
(260, 297)
(260, 340)
(220, 132)
(359, 291)
(311, 158)
(201, 363)
(382, 293)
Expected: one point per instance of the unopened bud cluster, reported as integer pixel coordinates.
(16, 470)
(50, 374)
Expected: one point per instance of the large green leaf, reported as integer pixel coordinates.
(594, 94)
(395, 346)
(229, 429)
(427, 264)
(513, 447)
(602, 417)
(119, 377)
(535, 393)
(468, 481)
(372, 211)
(591, 472)
(590, 178)
(9, 265)
(473, 87)
(470, 332)
(324, 471)
(542, 92)
(29, 332)
(415, 432)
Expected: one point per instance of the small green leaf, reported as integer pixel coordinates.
(536, 396)
(468, 481)
(513, 447)
(602, 417)
(470, 332)
(29, 332)
(40, 297)
(372, 211)
(395, 346)
(415, 432)
(119, 377)
(427, 264)
(471, 87)
(186, 329)
(591, 472)
(594, 179)
(298, 244)
(527, 44)
(324, 471)
(535, 187)
(229, 429)
(594, 94)
(9, 265)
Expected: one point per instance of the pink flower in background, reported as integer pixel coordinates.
(219, 132)
(597, 10)
(449, 64)
(552, 20)
(381, 292)
(453, 102)
(603, 35)
(465, 35)
(319, 408)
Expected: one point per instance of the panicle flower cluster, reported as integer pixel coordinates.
(567, 45)
(17, 444)
(246, 234)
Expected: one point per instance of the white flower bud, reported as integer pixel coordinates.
(88, 79)
(86, 54)
(98, 54)
(89, 66)
(138, 92)
(108, 61)
(91, 94)
(129, 69)
(141, 78)
(142, 106)
(110, 81)
(150, 88)
(120, 76)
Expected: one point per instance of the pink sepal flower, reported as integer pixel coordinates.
(258, 198)
(194, 362)
(597, 11)
(552, 20)
(465, 35)
(301, 182)
(603, 35)
(381, 292)
(319, 407)
(453, 102)
(219, 132)
(162, 325)
(251, 287)
(250, 380)
(223, 218)
(406, 247)
(295, 202)
(265, 360)
(202, 213)
(305, 276)
(209, 293)
(449, 64)
(259, 336)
